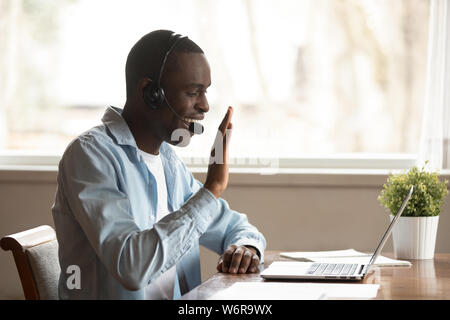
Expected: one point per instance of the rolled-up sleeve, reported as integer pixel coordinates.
(90, 180)
(228, 226)
(231, 227)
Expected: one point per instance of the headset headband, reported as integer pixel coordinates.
(175, 38)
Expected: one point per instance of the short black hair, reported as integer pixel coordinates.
(146, 56)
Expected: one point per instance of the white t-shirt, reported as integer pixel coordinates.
(161, 288)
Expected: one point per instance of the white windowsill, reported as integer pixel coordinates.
(307, 171)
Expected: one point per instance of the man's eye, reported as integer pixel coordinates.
(195, 94)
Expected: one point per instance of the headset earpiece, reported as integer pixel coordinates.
(153, 96)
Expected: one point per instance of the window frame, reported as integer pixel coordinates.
(30, 159)
(351, 171)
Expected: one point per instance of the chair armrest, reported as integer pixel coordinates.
(18, 243)
(27, 239)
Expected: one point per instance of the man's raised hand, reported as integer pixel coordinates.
(217, 176)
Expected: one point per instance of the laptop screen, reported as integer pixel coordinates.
(391, 225)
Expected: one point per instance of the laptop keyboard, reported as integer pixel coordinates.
(338, 269)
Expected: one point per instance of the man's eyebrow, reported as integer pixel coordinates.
(198, 85)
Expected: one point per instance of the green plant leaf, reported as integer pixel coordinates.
(428, 196)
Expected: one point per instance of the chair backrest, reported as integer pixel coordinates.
(35, 253)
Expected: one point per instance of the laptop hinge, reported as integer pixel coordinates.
(361, 269)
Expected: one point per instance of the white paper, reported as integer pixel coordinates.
(295, 291)
(343, 256)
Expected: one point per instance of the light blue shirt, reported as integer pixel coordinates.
(105, 212)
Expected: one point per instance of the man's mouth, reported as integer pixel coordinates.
(191, 120)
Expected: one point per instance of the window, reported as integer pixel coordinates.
(305, 77)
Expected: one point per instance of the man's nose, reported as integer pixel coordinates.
(203, 104)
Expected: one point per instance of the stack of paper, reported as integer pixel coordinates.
(295, 291)
(343, 256)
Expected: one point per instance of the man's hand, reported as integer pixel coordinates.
(238, 259)
(217, 176)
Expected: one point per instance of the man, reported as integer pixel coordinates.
(129, 216)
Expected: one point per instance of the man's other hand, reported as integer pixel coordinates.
(238, 259)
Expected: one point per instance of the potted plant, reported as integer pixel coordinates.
(414, 235)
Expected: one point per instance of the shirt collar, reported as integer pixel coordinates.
(119, 129)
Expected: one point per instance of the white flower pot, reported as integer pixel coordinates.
(415, 237)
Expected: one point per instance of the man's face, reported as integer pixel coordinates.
(185, 80)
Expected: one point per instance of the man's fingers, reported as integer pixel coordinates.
(245, 262)
(227, 257)
(222, 140)
(236, 260)
(219, 265)
(226, 121)
(226, 142)
(254, 264)
(227, 135)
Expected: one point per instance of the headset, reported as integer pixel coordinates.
(154, 95)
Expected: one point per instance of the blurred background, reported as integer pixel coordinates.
(333, 90)
(305, 77)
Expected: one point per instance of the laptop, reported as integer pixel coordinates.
(335, 271)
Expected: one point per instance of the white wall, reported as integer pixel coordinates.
(295, 211)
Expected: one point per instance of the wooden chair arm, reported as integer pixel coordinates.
(27, 239)
(18, 243)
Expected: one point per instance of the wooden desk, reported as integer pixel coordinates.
(426, 279)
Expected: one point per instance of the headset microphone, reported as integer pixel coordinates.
(194, 127)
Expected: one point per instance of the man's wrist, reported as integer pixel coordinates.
(213, 190)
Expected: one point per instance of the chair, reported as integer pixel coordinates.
(35, 253)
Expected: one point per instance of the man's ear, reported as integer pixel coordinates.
(143, 91)
(142, 84)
